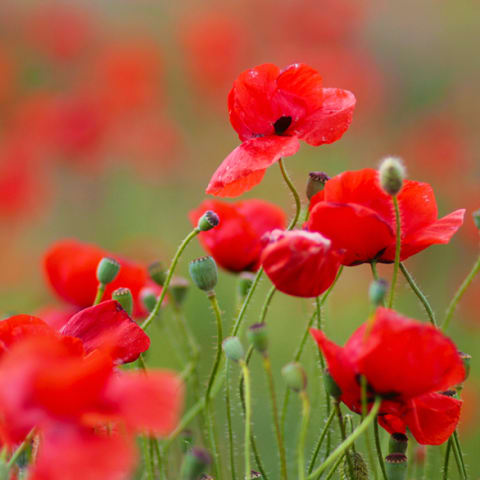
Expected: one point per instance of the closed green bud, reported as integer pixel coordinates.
(316, 183)
(398, 443)
(359, 467)
(148, 298)
(233, 348)
(107, 270)
(186, 440)
(124, 297)
(178, 290)
(466, 359)
(476, 218)
(203, 271)
(392, 173)
(377, 291)
(257, 336)
(245, 280)
(331, 386)
(295, 376)
(396, 466)
(208, 221)
(157, 273)
(194, 464)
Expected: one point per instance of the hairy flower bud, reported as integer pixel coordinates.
(392, 173)
(233, 348)
(397, 443)
(316, 183)
(194, 464)
(107, 270)
(295, 376)
(208, 221)
(244, 283)
(257, 336)
(359, 467)
(204, 273)
(377, 291)
(124, 297)
(157, 273)
(396, 466)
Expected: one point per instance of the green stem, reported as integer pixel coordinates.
(373, 266)
(397, 251)
(149, 462)
(248, 417)
(371, 458)
(20, 449)
(458, 449)
(341, 449)
(343, 434)
(100, 292)
(419, 294)
(296, 197)
(447, 458)
(323, 434)
(229, 422)
(379, 449)
(459, 294)
(171, 270)
(334, 468)
(266, 304)
(303, 434)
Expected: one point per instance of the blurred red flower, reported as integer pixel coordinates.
(406, 363)
(300, 263)
(236, 243)
(271, 110)
(358, 217)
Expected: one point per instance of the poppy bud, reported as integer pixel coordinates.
(233, 349)
(396, 466)
(331, 386)
(157, 273)
(186, 440)
(124, 297)
(245, 280)
(398, 443)
(257, 336)
(316, 183)
(392, 174)
(178, 289)
(295, 376)
(476, 218)
(107, 270)
(377, 291)
(194, 464)
(203, 271)
(208, 221)
(148, 298)
(466, 359)
(359, 467)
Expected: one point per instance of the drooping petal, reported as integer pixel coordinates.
(245, 166)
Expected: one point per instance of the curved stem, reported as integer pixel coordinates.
(379, 450)
(266, 304)
(229, 422)
(99, 295)
(173, 265)
(419, 294)
(294, 193)
(459, 294)
(248, 417)
(340, 450)
(303, 435)
(397, 251)
(334, 468)
(323, 434)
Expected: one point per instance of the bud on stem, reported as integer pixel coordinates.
(295, 376)
(396, 466)
(208, 221)
(124, 297)
(204, 273)
(392, 174)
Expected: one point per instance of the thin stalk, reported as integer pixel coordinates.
(293, 191)
(379, 450)
(459, 294)
(229, 422)
(149, 462)
(248, 417)
(341, 449)
(100, 292)
(343, 434)
(303, 435)
(171, 270)
(458, 449)
(371, 457)
(323, 434)
(397, 251)
(447, 458)
(334, 468)
(266, 304)
(20, 449)
(373, 266)
(421, 296)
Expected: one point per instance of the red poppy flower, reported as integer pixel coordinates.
(271, 110)
(70, 267)
(300, 263)
(236, 243)
(405, 362)
(358, 217)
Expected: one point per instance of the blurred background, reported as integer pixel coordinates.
(113, 118)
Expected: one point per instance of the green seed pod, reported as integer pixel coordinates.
(124, 297)
(194, 464)
(186, 440)
(398, 443)
(377, 291)
(107, 270)
(392, 173)
(359, 467)
(208, 221)
(257, 336)
(396, 466)
(157, 273)
(244, 283)
(203, 271)
(178, 290)
(330, 385)
(295, 376)
(233, 348)
(148, 298)
(316, 183)
(476, 218)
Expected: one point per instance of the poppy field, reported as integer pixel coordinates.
(239, 240)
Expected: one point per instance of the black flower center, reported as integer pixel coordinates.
(282, 124)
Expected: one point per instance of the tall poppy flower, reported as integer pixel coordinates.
(405, 362)
(300, 263)
(271, 110)
(356, 214)
(236, 243)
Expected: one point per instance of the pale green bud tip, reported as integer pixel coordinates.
(392, 173)
(204, 273)
(245, 281)
(233, 348)
(295, 376)
(186, 440)
(397, 443)
(359, 467)
(316, 183)
(466, 359)
(157, 273)
(195, 463)
(257, 336)
(331, 386)
(476, 218)
(148, 298)
(377, 291)
(107, 270)
(124, 297)
(396, 466)
(178, 289)
(208, 221)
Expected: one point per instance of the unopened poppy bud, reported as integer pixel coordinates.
(316, 183)
(295, 376)
(331, 386)
(208, 221)
(148, 298)
(186, 440)
(257, 336)
(466, 359)
(245, 280)
(359, 467)
(204, 273)
(377, 291)
(396, 466)
(124, 297)
(194, 464)
(476, 218)
(233, 348)
(107, 270)
(398, 443)
(157, 273)
(178, 289)
(392, 173)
